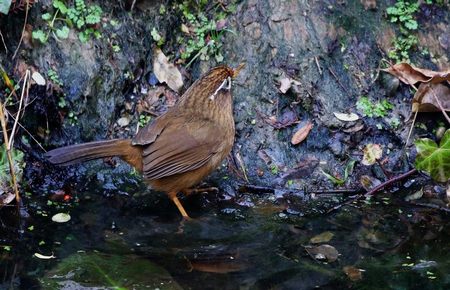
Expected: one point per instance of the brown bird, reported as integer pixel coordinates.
(182, 146)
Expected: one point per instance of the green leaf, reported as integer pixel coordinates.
(46, 16)
(4, 6)
(63, 32)
(39, 35)
(60, 5)
(411, 24)
(433, 159)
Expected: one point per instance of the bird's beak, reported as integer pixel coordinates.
(238, 69)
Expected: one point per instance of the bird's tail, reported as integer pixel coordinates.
(94, 150)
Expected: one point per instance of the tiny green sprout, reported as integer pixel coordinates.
(31, 228)
(157, 37)
(41, 243)
(274, 169)
(7, 248)
(144, 120)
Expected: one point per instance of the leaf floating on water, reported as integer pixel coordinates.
(350, 117)
(44, 257)
(433, 159)
(323, 252)
(302, 133)
(167, 72)
(322, 238)
(354, 274)
(372, 152)
(61, 217)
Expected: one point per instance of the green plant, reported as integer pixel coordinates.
(403, 13)
(144, 120)
(84, 18)
(370, 109)
(157, 37)
(274, 169)
(434, 159)
(347, 171)
(202, 34)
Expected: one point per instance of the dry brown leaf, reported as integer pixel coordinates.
(323, 252)
(346, 117)
(368, 182)
(286, 83)
(354, 274)
(372, 152)
(425, 98)
(166, 72)
(411, 75)
(322, 238)
(301, 134)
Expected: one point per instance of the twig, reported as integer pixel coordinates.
(318, 65)
(8, 153)
(28, 132)
(390, 181)
(374, 190)
(3, 41)
(338, 80)
(23, 30)
(25, 88)
(433, 206)
(440, 105)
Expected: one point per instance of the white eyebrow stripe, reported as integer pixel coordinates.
(221, 87)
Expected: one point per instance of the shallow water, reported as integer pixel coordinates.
(235, 241)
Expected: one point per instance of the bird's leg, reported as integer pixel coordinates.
(190, 191)
(173, 196)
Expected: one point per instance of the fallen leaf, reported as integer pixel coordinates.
(61, 217)
(350, 117)
(433, 159)
(166, 72)
(368, 182)
(372, 152)
(44, 257)
(323, 252)
(123, 122)
(286, 83)
(6, 198)
(4, 6)
(354, 274)
(411, 75)
(322, 238)
(38, 78)
(301, 133)
(425, 98)
(416, 195)
(185, 29)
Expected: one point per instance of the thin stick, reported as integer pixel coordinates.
(339, 81)
(25, 88)
(374, 190)
(3, 41)
(28, 132)
(23, 29)
(8, 153)
(318, 65)
(440, 105)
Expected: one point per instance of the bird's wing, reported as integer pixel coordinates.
(150, 133)
(181, 148)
